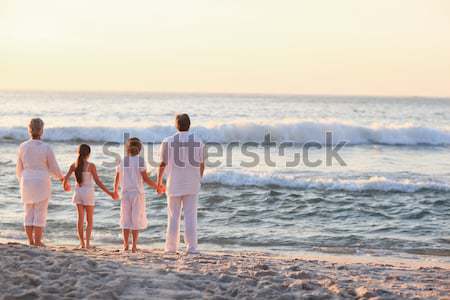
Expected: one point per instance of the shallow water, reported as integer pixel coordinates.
(391, 198)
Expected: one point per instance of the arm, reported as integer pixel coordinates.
(163, 153)
(162, 167)
(66, 180)
(148, 181)
(202, 169)
(53, 166)
(98, 181)
(116, 185)
(202, 160)
(19, 165)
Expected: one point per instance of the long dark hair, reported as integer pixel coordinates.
(83, 152)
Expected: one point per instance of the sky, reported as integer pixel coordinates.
(383, 47)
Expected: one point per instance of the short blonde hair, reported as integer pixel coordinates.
(36, 127)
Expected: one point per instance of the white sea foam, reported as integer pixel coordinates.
(371, 183)
(299, 132)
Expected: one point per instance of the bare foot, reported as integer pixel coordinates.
(134, 250)
(39, 244)
(30, 243)
(126, 248)
(81, 246)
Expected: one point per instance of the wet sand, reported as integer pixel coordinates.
(61, 272)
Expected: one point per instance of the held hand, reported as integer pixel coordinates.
(115, 196)
(161, 189)
(66, 186)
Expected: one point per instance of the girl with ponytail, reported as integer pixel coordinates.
(84, 196)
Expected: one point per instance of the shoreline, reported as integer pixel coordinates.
(401, 260)
(59, 271)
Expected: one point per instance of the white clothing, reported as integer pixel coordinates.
(132, 211)
(130, 170)
(36, 162)
(85, 194)
(182, 153)
(132, 207)
(174, 205)
(35, 214)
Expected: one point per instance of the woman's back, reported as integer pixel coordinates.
(33, 154)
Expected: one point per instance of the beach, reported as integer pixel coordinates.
(376, 227)
(61, 272)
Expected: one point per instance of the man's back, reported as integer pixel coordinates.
(182, 153)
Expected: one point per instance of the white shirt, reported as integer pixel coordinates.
(130, 173)
(182, 153)
(36, 162)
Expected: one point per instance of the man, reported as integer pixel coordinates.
(182, 158)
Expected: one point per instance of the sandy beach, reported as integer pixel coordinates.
(60, 272)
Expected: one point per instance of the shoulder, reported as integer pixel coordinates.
(196, 138)
(92, 167)
(46, 146)
(141, 162)
(168, 139)
(24, 144)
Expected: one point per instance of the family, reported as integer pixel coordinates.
(181, 161)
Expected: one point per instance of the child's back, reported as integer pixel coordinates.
(130, 170)
(85, 192)
(132, 210)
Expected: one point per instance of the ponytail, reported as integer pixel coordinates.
(83, 152)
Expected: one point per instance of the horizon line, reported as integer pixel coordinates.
(234, 93)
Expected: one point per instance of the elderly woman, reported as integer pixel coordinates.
(35, 164)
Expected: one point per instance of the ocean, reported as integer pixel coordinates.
(388, 195)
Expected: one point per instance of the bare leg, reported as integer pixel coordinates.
(29, 232)
(80, 224)
(126, 235)
(135, 239)
(38, 236)
(90, 224)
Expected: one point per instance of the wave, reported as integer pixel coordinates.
(373, 183)
(297, 132)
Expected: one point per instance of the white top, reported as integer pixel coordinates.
(88, 180)
(130, 173)
(85, 194)
(36, 162)
(182, 153)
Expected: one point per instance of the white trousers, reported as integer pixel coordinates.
(36, 214)
(174, 205)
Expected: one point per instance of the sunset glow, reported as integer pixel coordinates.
(308, 47)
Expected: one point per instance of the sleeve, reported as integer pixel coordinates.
(53, 166)
(164, 153)
(19, 164)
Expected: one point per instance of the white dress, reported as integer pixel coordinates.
(132, 207)
(85, 194)
(36, 162)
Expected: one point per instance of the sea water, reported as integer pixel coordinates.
(390, 194)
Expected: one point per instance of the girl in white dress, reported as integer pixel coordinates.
(131, 174)
(84, 195)
(36, 163)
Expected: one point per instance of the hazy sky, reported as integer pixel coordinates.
(388, 47)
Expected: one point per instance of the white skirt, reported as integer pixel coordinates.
(132, 211)
(84, 195)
